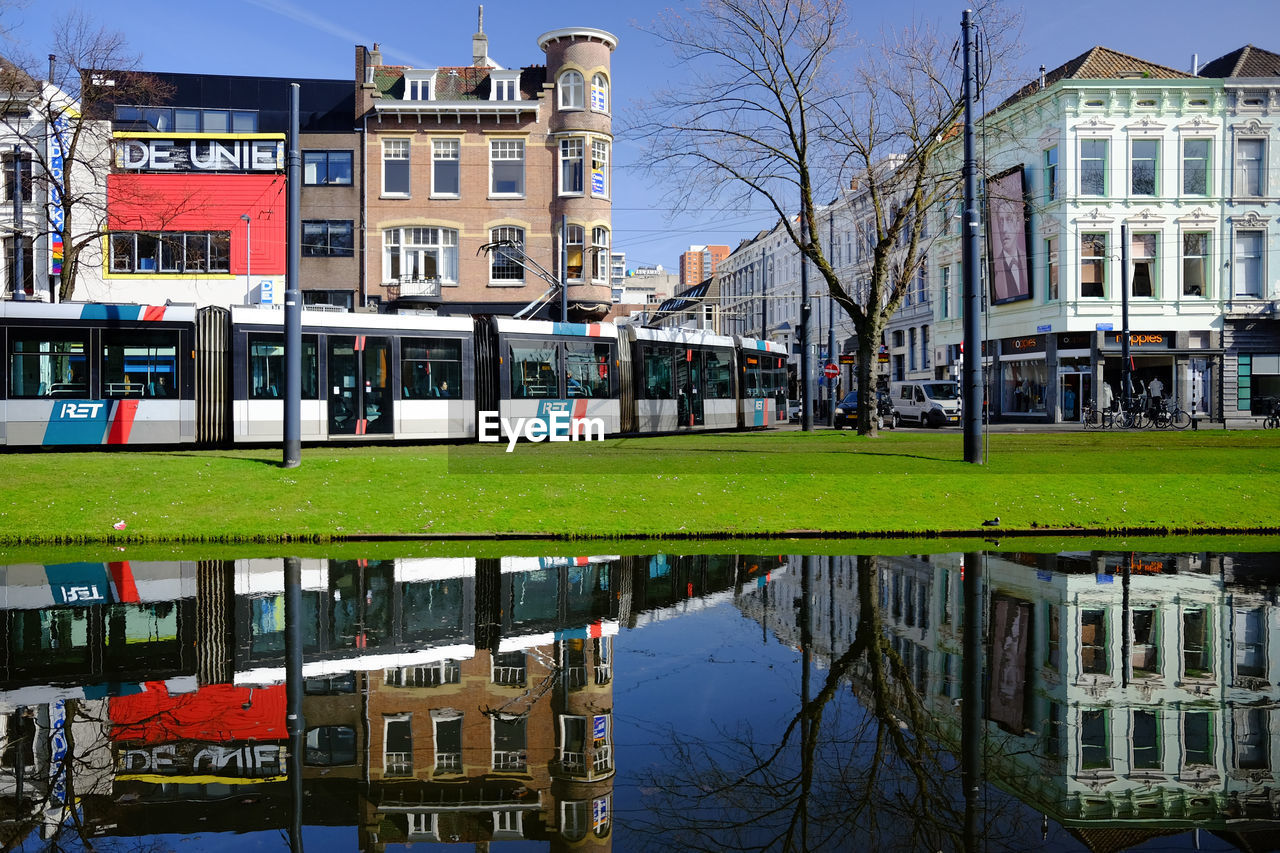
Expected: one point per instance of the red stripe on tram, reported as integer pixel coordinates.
(122, 422)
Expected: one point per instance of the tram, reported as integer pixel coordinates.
(82, 374)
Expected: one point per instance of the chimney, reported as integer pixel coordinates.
(1195, 64)
(375, 55)
(52, 62)
(480, 44)
(1041, 76)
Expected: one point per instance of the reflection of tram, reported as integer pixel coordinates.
(85, 374)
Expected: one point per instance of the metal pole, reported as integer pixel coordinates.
(1125, 380)
(806, 367)
(292, 296)
(564, 269)
(972, 378)
(971, 704)
(295, 723)
(764, 315)
(19, 262)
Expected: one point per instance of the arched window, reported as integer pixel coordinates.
(505, 266)
(420, 254)
(600, 254)
(600, 93)
(571, 91)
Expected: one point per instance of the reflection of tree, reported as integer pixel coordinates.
(832, 774)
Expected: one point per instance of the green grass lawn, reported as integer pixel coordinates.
(701, 485)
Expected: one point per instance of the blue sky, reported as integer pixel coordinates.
(317, 38)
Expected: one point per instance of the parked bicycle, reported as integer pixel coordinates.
(1168, 413)
(1272, 420)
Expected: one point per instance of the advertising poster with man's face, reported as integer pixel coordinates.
(1007, 238)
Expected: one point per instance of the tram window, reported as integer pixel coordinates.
(431, 367)
(43, 366)
(533, 371)
(657, 374)
(587, 367)
(139, 363)
(266, 367)
(716, 375)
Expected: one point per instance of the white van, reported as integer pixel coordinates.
(932, 403)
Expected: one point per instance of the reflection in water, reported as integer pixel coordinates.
(1095, 699)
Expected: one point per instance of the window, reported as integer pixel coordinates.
(47, 364)
(395, 167)
(1197, 657)
(599, 167)
(509, 742)
(185, 120)
(924, 347)
(1145, 153)
(7, 161)
(1146, 740)
(431, 367)
(1051, 269)
(1195, 167)
(445, 180)
(1093, 167)
(504, 90)
(534, 370)
(1144, 653)
(139, 364)
(911, 348)
(1197, 737)
(505, 267)
(1195, 263)
(945, 302)
(420, 254)
(1248, 263)
(1143, 248)
(1249, 642)
(328, 238)
(506, 167)
(11, 266)
(1251, 174)
(331, 745)
(587, 367)
(448, 741)
(1095, 750)
(571, 160)
(1052, 645)
(326, 168)
(1093, 642)
(599, 254)
(1051, 174)
(570, 88)
(600, 93)
(266, 367)
(171, 252)
(397, 745)
(1093, 265)
(1253, 746)
(574, 247)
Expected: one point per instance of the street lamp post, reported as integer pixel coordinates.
(248, 259)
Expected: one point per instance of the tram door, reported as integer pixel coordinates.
(689, 388)
(359, 379)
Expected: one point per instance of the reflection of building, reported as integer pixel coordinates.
(1149, 700)
(444, 699)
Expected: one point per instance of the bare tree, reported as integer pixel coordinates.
(61, 116)
(768, 115)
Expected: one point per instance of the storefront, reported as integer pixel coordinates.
(1074, 374)
(1023, 386)
(1179, 366)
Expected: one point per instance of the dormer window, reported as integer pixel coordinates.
(420, 85)
(505, 86)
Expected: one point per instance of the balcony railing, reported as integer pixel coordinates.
(397, 763)
(426, 289)
(448, 762)
(509, 675)
(604, 673)
(509, 760)
(575, 676)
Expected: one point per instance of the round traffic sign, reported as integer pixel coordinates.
(831, 371)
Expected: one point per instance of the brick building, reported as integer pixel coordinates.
(463, 157)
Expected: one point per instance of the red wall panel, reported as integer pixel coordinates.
(190, 202)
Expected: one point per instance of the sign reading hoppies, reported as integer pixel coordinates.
(152, 154)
